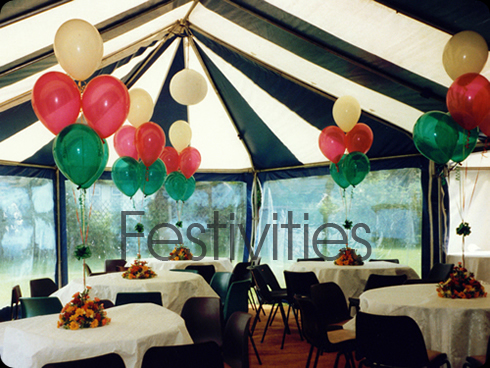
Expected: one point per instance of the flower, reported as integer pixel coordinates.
(348, 256)
(82, 252)
(460, 284)
(463, 229)
(81, 312)
(138, 270)
(139, 227)
(180, 253)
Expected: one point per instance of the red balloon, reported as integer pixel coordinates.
(124, 142)
(332, 143)
(56, 101)
(190, 160)
(359, 138)
(468, 100)
(171, 159)
(105, 104)
(150, 142)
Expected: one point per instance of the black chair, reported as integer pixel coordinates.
(297, 283)
(220, 282)
(235, 340)
(241, 271)
(38, 306)
(315, 331)
(331, 302)
(114, 265)
(314, 259)
(378, 281)
(202, 316)
(269, 292)
(111, 360)
(392, 260)
(477, 361)
(393, 341)
(107, 303)
(42, 287)
(15, 312)
(202, 355)
(139, 297)
(206, 271)
(89, 272)
(438, 273)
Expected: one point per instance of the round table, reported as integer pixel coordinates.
(352, 279)
(457, 327)
(176, 287)
(477, 262)
(220, 265)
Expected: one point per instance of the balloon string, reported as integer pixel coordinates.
(76, 211)
(90, 213)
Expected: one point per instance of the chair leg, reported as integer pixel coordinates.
(284, 319)
(255, 348)
(296, 317)
(309, 356)
(337, 360)
(267, 324)
(284, 333)
(316, 358)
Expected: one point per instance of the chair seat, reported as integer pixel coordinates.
(436, 358)
(476, 360)
(341, 336)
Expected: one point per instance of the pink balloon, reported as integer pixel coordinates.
(124, 141)
(56, 101)
(468, 100)
(150, 142)
(332, 143)
(171, 159)
(105, 104)
(190, 160)
(359, 138)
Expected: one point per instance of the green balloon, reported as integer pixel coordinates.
(78, 153)
(355, 167)
(127, 175)
(190, 186)
(153, 177)
(176, 185)
(435, 136)
(337, 173)
(102, 166)
(465, 144)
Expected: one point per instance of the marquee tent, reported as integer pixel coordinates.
(274, 70)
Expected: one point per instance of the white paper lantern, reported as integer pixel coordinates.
(180, 135)
(188, 87)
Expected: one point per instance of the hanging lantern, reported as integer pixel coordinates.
(188, 87)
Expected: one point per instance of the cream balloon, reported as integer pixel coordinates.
(188, 87)
(346, 112)
(141, 107)
(465, 52)
(180, 135)
(79, 48)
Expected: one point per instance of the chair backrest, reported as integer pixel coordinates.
(235, 340)
(331, 302)
(89, 272)
(38, 306)
(312, 325)
(112, 265)
(392, 260)
(183, 270)
(139, 297)
(107, 303)
(42, 287)
(206, 271)
(202, 316)
(220, 282)
(390, 340)
(241, 271)
(112, 360)
(375, 281)
(314, 259)
(202, 355)
(440, 272)
(236, 299)
(261, 286)
(299, 283)
(15, 312)
(268, 276)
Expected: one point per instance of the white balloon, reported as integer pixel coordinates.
(180, 135)
(79, 48)
(346, 112)
(188, 87)
(141, 108)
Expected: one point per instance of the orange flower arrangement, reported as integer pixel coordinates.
(81, 312)
(461, 284)
(180, 253)
(139, 270)
(348, 257)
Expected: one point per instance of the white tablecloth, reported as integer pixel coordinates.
(352, 279)
(176, 287)
(134, 328)
(220, 265)
(457, 327)
(476, 262)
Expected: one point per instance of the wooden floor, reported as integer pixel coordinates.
(295, 352)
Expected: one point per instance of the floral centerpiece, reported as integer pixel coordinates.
(180, 253)
(348, 257)
(461, 284)
(82, 312)
(139, 270)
